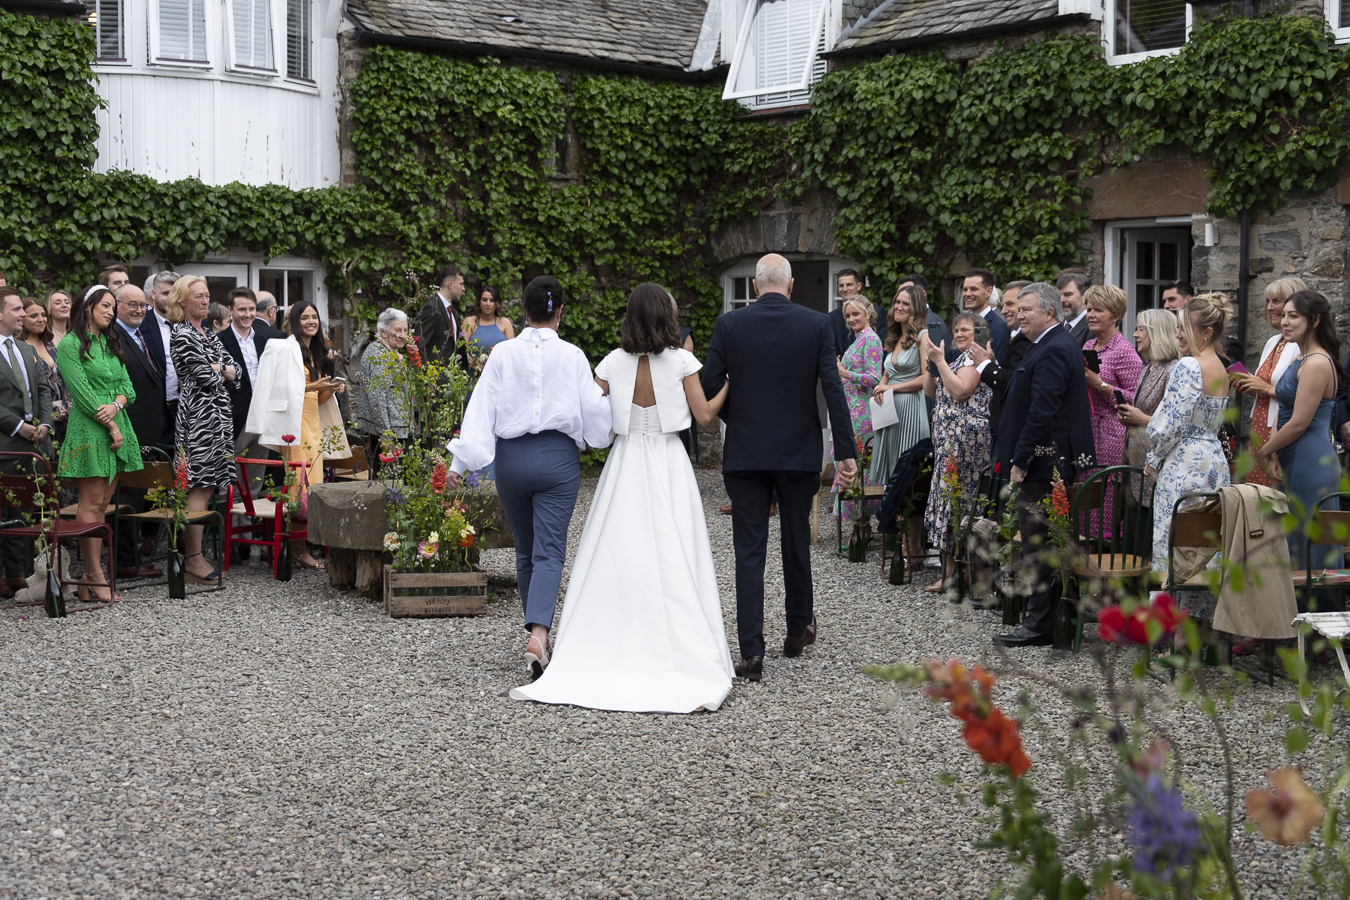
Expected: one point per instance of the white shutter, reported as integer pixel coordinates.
(106, 17)
(298, 38)
(182, 30)
(777, 59)
(252, 33)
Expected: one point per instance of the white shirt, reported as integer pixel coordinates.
(450, 314)
(536, 382)
(23, 371)
(980, 368)
(170, 373)
(249, 351)
(1071, 324)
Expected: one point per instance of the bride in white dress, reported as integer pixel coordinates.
(642, 627)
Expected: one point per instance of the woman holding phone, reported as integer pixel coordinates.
(1117, 370)
(1276, 357)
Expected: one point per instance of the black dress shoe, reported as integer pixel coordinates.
(751, 669)
(1023, 638)
(793, 647)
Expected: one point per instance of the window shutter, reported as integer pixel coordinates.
(1144, 25)
(182, 30)
(782, 36)
(297, 38)
(107, 22)
(1343, 18)
(252, 33)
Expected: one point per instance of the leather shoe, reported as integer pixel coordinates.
(793, 647)
(725, 510)
(16, 584)
(1023, 638)
(751, 669)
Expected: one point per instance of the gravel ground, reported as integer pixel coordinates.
(290, 741)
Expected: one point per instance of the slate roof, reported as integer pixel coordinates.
(660, 33)
(899, 22)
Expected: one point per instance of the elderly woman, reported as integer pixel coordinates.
(382, 407)
(961, 435)
(204, 430)
(1116, 370)
(860, 371)
(1276, 357)
(1155, 337)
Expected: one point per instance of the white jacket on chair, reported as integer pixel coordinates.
(279, 400)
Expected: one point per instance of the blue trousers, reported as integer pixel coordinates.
(538, 476)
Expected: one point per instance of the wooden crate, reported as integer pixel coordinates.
(434, 593)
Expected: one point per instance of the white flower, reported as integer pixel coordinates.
(434, 537)
(466, 531)
(391, 541)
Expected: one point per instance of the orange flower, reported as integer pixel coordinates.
(1288, 814)
(1059, 496)
(988, 731)
(998, 742)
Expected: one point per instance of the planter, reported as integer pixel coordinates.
(434, 593)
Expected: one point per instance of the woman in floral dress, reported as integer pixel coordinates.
(1118, 370)
(960, 433)
(1276, 357)
(860, 371)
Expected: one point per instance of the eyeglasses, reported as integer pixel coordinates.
(134, 306)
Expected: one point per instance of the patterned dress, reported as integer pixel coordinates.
(961, 434)
(1185, 451)
(1266, 409)
(1120, 370)
(205, 426)
(863, 361)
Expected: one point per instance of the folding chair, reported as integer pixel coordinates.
(158, 474)
(260, 511)
(1103, 534)
(35, 491)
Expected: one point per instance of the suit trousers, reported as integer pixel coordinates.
(1041, 582)
(751, 492)
(538, 476)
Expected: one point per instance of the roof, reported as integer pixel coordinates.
(900, 22)
(629, 33)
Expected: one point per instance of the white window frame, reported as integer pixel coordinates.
(284, 65)
(743, 40)
(208, 29)
(122, 34)
(232, 50)
(1123, 59)
(1338, 28)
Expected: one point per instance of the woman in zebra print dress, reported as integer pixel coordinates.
(205, 429)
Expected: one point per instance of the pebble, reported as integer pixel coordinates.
(287, 740)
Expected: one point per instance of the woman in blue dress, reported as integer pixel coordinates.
(1300, 452)
(487, 327)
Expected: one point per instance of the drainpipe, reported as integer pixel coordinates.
(1244, 282)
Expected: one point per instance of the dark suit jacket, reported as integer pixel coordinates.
(1080, 333)
(997, 376)
(999, 335)
(436, 339)
(1046, 422)
(241, 397)
(154, 341)
(775, 352)
(11, 401)
(843, 337)
(148, 412)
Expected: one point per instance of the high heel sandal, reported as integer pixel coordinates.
(212, 579)
(88, 592)
(536, 656)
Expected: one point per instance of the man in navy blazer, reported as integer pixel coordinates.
(155, 332)
(1045, 427)
(775, 352)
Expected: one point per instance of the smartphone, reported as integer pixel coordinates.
(339, 378)
(1094, 362)
(1120, 398)
(1238, 368)
(982, 335)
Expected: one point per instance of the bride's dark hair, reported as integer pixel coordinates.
(651, 324)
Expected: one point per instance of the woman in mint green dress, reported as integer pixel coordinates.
(100, 443)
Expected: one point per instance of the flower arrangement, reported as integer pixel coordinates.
(173, 498)
(432, 529)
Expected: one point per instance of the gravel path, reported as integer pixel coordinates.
(289, 741)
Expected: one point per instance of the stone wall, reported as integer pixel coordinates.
(803, 226)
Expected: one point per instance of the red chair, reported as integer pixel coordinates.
(261, 511)
(30, 487)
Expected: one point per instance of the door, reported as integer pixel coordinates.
(221, 278)
(811, 284)
(1150, 258)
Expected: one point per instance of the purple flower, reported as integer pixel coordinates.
(1164, 832)
(395, 497)
(472, 479)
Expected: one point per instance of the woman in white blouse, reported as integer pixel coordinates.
(533, 410)
(1275, 358)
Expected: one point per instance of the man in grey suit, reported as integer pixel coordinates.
(25, 414)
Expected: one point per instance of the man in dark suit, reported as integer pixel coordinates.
(1045, 428)
(155, 332)
(996, 376)
(976, 291)
(1072, 286)
(439, 324)
(775, 352)
(25, 415)
(850, 285)
(147, 414)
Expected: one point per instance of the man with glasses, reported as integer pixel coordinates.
(155, 332)
(147, 414)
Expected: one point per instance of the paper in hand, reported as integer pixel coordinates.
(883, 413)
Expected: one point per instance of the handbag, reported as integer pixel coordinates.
(303, 515)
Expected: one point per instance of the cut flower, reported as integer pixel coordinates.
(1288, 814)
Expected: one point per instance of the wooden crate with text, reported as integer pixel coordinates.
(434, 593)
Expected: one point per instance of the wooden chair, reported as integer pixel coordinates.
(158, 474)
(1328, 527)
(354, 468)
(30, 487)
(260, 511)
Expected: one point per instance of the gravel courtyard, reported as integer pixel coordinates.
(290, 741)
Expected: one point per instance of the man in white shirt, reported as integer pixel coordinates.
(439, 325)
(25, 414)
(155, 330)
(1072, 286)
(976, 290)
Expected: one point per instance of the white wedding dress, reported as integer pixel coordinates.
(641, 627)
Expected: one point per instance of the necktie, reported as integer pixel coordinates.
(19, 374)
(146, 350)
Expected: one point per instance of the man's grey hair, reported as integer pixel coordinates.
(157, 279)
(388, 318)
(1047, 297)
(773, 273)
(267, 303)
(117, 294)
(1077, 278)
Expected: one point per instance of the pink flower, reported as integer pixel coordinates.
(288, 438)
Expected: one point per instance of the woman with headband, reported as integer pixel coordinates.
(534, 408)
(100, 443)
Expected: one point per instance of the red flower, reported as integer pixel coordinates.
(438, 475)
(390, 457)
(988, 731)
(1059, 496)
(998, 468)
(180, 472)
(1115, 627)
(466, 542)
(996, 739)
(288, 438)
(414, 355)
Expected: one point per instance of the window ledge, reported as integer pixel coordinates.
(1125, 59)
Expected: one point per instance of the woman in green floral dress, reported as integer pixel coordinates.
(100, 444)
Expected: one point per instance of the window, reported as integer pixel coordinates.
(287, 285)
(777, 56)
(1143, 28)
(181, 30)
(741, 293)
(298, 39)
(1338, 18)
(105, 17)
(251, 34)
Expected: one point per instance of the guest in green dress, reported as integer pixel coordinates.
(100, 443)
(902, 379)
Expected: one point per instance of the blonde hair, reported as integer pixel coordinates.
(863, 304)
(1108, 297)
(1161, 327)
(178, 294)
(1286, 287)
(1202, 312)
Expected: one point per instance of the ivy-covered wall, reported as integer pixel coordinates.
(925, 160)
